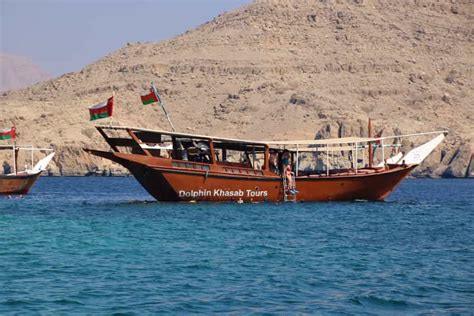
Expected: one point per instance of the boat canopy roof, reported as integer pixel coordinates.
(272, 143)
(22, 147)
(181, 135)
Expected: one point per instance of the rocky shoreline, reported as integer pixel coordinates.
(447, 161)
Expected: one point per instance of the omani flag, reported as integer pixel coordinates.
(150, 97)
(8, 133)
(102, 110)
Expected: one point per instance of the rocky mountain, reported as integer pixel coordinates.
(19, 72)
(278, 69)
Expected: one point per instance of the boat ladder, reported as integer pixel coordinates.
(289, 193)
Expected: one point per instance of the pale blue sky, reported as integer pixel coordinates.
(64, 35)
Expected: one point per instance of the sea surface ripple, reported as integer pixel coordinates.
(102, 246)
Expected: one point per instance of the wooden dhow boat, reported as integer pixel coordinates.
(175, 166)
(20, 182)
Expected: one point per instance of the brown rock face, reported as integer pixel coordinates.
(459, 163)
(278, 69)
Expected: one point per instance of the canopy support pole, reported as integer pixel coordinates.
(383, 153)
(327, 160)
(363, 158)
(266, 158)
(353, 156)
(370, 144)
(16, 150)
(317, 162)
(356, 158)
(297, 161)
(14, 159)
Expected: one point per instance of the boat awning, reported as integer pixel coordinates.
(324, 149)
(346, 140)
(182, 135)
(276, 143)
(332, 141)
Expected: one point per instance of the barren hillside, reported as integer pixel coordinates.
(278, 69)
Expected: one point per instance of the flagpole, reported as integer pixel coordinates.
(163, 107)
(113, 98)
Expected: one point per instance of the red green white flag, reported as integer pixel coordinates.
(150, 97)
(102, 110)
(8, 133)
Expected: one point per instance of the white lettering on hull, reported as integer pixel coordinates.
(194, 193)
(222, 193)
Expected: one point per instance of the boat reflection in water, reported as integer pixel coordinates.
(187, 167)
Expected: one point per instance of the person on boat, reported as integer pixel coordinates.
(272, 161)
(244, 161)
(290, 180)
(204, 152)
(285, 159)
(7, 169)
(193, 154)
(181, 151)
(184, 154)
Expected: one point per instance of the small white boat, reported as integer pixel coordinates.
(20, 182)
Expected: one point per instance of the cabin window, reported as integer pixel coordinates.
(239, 155)
(238, 158)
(156, 144)
(161, 146)
(191, 149)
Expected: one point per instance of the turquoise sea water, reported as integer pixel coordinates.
(101, 246)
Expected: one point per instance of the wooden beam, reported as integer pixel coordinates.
(107, 139)
(212, 151)
(135, 138)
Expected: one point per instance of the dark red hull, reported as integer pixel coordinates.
(165, 180)
(17, 184)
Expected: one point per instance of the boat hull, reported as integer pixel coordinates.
(17, 184)
(174, 184)
(372, 187)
